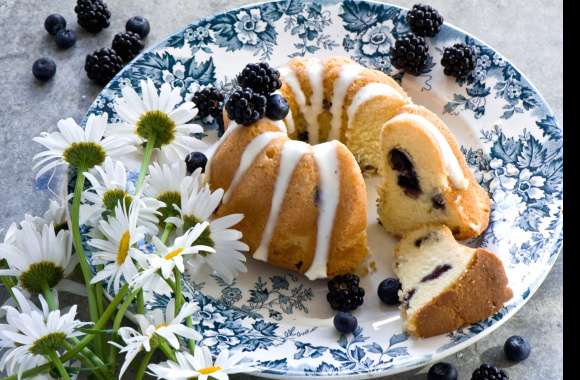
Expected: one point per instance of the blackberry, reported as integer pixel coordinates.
(410, 54)
(54, 23)
(260, 77)
(209, 101)
(489, 372)
(458, 60)
(424, 20)
(195, 160)
(43, 69)
(344, 292)
(245, 106)
(102, 65)
(139, 25)
(92, 15)
(127, 45)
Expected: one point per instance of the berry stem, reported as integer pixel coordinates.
(145, 164)
(53, 356)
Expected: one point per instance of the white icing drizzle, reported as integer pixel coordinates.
(289, 120)
(291, 153)
(232, 126)
(248, 156)
(368, 92)
(329, 190)
(314, 72)
(348, 74)
(450, 161)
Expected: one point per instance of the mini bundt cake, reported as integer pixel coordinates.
(305, 206)
(445, 285)
(426, 179)
(338, 99)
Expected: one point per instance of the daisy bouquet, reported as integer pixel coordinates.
(131, 236)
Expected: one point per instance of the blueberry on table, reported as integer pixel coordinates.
(54, 23)
(139, 25)
(516, 348)
(388, 291)
(43, 69)
(345, 322)
(442, 371)
(277, 107)
(65, 38)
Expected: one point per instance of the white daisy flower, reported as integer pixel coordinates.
(228, 259)
(160, 265)
(37, 257)
(56, 214)
(162, 116)
(109, 185)
(200, 366)
(166, 325)
(164, 184)
(78, 147)
(118, 250)
(32, 333)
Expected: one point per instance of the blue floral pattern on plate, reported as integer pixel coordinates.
(508, 134)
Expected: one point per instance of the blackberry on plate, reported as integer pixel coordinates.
(442, 371)
(65, 38)
(516, 348)
(43, 69)
(195, 160)
(277, 107)
(489, 372)
(345, 323)
(92, 15)
(209, 101)
(102, 65)
(260, 77)
(410, 54)
(344, 292)
(245, 106)
(139, 25)
(54, 23)
(424, 20)
(458, 60)
(388, 291)
(127, 45)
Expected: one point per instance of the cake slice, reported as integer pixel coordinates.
(426, 179)
(446, 285)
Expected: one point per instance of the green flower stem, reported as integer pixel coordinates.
(177, 290)
(76, 233)
(167, 350)
(145, 164)
(48, 296)
(190, 342)
(144, 364)
(117, 323)
(83, 343)
(166, 232)
(90, 360)
(100, 343)
(7, 282)
(58, 364)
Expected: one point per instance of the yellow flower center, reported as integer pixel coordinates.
(173, 253)
(123, 248)
(160, 326)
(208, 370)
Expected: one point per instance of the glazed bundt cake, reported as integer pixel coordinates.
(305, 206)
(446, 285)
(338, 99)
(426, 178)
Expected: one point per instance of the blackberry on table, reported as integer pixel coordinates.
(344, 292)
(102, 65)
(489, 372)
(260, 77)
(410, 54)
(209, 101)
(245, 106)
(424, 20)
(458, 60)
(92, 15)
(127, 45)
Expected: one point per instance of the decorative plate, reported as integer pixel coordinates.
(507, 132)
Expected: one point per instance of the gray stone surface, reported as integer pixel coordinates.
(528, 32)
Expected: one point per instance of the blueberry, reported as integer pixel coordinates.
(516, 348)
(345, 322)
(442, 371)
(139, 25)
(44, 69)
(65, 38)
(54, 23)
(389, 291)
(277, 107)
(195, 160)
